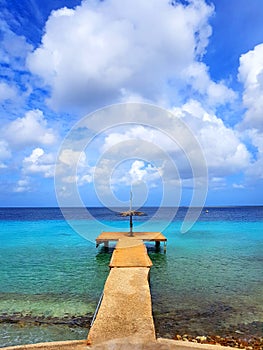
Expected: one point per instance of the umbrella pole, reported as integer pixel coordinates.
(131, 233)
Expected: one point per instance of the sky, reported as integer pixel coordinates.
(197, 65)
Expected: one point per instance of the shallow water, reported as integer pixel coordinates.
(18, 333)
(210, 280)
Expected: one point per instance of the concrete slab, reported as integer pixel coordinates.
(126, 310)
(130, 252)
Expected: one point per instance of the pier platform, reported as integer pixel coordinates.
(107, 237)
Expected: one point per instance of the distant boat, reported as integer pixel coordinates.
(207, 211)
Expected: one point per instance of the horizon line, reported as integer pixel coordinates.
(147, 206)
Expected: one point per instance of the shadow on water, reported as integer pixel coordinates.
(158, 258)
(104, 251)
(102, 261)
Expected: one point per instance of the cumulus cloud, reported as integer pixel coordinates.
(100, 52)
(4, 153)
(251, 76)
(217, 183)
(238, 186)
(38, 162)
(22, 185)
(7, 92)
(15, 77)
(71, 158)
(197, 76)
(29, 130)
(225, 153)
(152, 150)
(73, 167)
(14, 48)
(139, 132)
(255, 171)
(138, 171)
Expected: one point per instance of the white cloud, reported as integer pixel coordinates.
(73, 167)
(14, 48)
(88, 178)
(29, 130)
(39, 163)
(255, 170)
(139, 132)
(257, 140)
(150, 146)
(238, 186)
(14, 86)
(138, 172)
(225, 153)
(70, 179)
(85, 176)
(71, 158)
(4, 150)
(36, 153)
(100, 52)
(7, 92)
(63, 12)
(198, 77)
(22, 185)
(251, 75)
(109, 176)
(224, 148)
(4, 153)
(217, 183)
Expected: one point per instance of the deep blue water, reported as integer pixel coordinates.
(210, 280)
(239, 214)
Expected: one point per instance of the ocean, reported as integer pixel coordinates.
(208, 282)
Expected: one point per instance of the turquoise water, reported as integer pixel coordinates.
(210, 280)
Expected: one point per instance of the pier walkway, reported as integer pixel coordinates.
(126, 307)
(130, 252)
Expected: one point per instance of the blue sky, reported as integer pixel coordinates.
(61, 60)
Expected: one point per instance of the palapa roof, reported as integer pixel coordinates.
(132, 213)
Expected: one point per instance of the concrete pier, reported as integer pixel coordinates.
(130, 252)
(126, 309)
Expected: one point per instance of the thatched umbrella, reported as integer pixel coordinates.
(131, 213)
